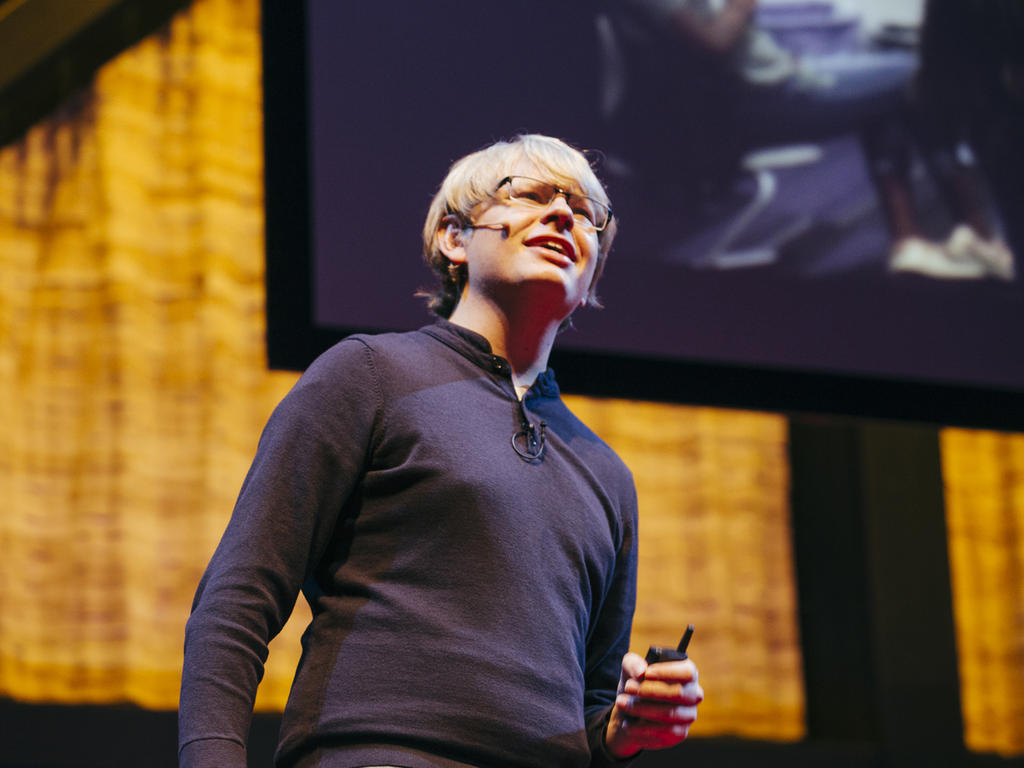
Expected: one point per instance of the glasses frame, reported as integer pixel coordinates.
(585, 223)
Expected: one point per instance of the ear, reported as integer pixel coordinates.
(450, 239)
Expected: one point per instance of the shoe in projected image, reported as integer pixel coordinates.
(993, 254)
(915, 254)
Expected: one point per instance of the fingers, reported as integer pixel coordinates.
(674, 671)
(680, 709)
(688, 693)
(673, 681)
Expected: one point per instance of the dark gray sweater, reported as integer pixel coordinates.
(470, 606)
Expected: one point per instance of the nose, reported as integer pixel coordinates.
(559, 212)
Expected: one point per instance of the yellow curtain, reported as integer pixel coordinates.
(132, 374)
(984, 484)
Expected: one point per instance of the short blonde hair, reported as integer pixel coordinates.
(472, 180)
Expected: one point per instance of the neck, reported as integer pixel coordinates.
(523, 338)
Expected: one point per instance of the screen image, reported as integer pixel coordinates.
(792, 204)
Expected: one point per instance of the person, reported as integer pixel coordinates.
(752, 92)
(727, 69)
(467, 546)
(969, 93)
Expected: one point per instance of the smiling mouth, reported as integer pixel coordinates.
(557, 247)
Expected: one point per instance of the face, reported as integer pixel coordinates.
(527, 253)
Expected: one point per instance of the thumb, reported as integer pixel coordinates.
(633, 666)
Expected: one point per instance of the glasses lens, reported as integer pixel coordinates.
(587, 211)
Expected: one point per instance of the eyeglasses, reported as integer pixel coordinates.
(588, 213)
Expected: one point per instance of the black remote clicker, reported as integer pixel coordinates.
(658, 653)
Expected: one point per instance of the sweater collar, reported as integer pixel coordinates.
(476, 348)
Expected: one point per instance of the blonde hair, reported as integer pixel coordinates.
(472, 180)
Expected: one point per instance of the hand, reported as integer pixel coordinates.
(655, 706)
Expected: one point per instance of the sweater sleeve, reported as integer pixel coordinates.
(310, 456)
(609, 639)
